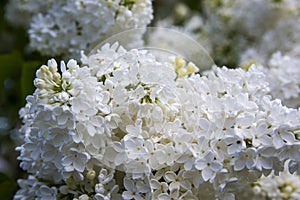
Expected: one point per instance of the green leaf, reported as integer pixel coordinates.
(10, 67)
(28, 74)
(192, 4)
(10, 73)
(7, 186)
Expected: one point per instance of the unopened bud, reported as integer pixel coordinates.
(99, 188)
(39, 83)
(179, 63)
(182, 72)
(91, 175)
(191, 68)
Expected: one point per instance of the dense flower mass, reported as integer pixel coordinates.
(257, 28)
(66, 27)
(277, 187)
(241, 33)
(236, 31)
(283, 74)
(125, 125)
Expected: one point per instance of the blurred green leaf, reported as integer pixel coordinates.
(28, 74)
(10, 67)
(192, 4)
(10, 73)
(7, 186)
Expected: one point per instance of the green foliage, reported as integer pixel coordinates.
(10, 66)
(28, 74)
(192, 4)
(10, 73)
(7, 186)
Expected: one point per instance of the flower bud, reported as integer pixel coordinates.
(91, 175)
(191, 68)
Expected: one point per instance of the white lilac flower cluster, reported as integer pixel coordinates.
(284, 186)
(66, 27)
(269, 37)
(235, 31)
(277, 187)
(124, 125)
(283, 74)
(256, 28)
(238, 32)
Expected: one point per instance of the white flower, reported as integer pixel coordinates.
(135, 148)
(260, 134)
(44, 192)
(245, 159)
(283, 186)
(158, 187)
(176, 181)
(282, 135)
(165, 196)
(235, 144)
(137, 117)
(169, 154)
(283, 76)
(132, 190)
(75, 160)
(20, 12)
(290, 152)
(32, 188)
(27, 188)
(208, 166)
(263, 159)
(239, 21)
(67, 27)
(156, 160)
